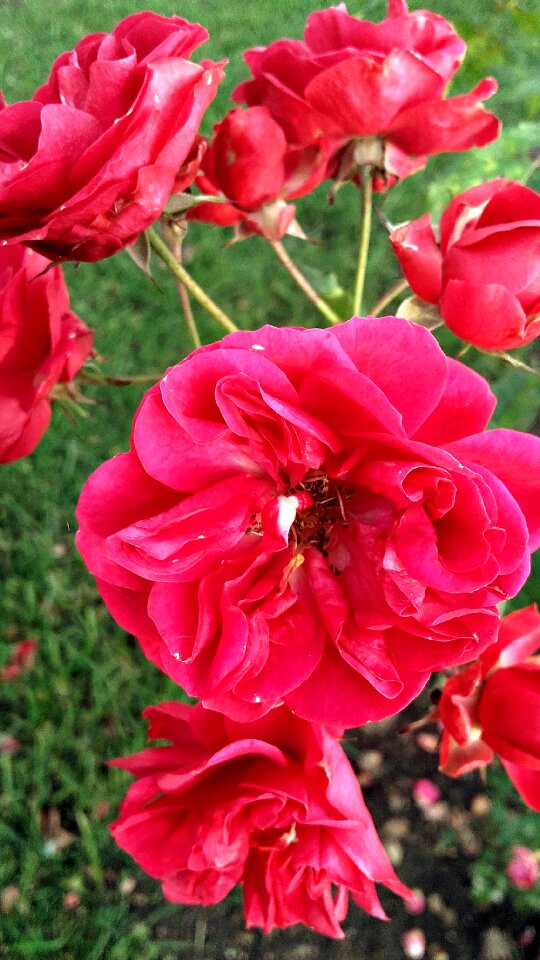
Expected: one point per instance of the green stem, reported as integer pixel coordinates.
(366, 187)
(180, 273)
(387, 297)
(176, 250)
(102, 380)
(303, 283)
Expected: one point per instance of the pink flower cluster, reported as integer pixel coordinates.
(308, 523)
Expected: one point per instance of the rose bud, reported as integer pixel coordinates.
(493, 706)
(294, 523)
(42, 343)
(273, 805)
(522, 868)
(250, 165)
(377, 90)
(91, 160)
(484, 272)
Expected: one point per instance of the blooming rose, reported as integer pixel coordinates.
(91, 160)
(493, 706)
(272, 804)
(41, 343)
(376, 89)
(313, 516)
(250, 164)
(484, 272)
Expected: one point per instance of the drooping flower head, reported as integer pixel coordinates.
(273, 805)
(376, 89)
(92, 159)
(42, 343)
(493, 707)
(250, 165)
(313, 517)
(484, 271)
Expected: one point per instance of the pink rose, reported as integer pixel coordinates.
(273, 805)
(484, 273)
(250, 164)
(522, 868)
(493, 706)
(92, 159)
(314, 517)
(376, 89)
(42, 343)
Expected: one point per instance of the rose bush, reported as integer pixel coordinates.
(314, 517)
(273, 805)
(42, 343)
(493, 707)
(92, 159)
(250, 164)
(376, 89)
(484, 272)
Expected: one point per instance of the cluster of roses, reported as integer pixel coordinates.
(308, 524)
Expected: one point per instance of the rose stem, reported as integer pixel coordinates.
(303, 283)
(176, 238)
(117, 381)
(366, 187)
(387, 297)
(181, 274)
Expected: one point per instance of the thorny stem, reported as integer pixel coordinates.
(181, 274)
(303, 283)
(366, 187)
(176, 250)
(387, 297)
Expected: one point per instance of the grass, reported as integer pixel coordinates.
(81, 702)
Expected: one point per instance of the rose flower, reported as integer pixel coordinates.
(273, 805)
(484, 272)
(376, 89)
(493, 707)
(314, 517)
(250, 164)
(42, 343)
(92, 159)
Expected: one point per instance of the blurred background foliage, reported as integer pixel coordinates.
(80, 704)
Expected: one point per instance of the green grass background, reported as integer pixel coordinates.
(81, 702)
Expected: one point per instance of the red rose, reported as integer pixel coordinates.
(250, 164)
(377, 89)
(41, 343)
(493, 706)
(313, 516)
(273, 805)
(92, 159)
(485, 271)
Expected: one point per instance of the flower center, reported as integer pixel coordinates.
(322, 504)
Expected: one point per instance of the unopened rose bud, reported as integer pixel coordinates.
(71, 900)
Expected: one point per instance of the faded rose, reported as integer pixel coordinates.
(493, 706)
(484, 272)
(314, 517)
(250, 164)
(376, 89)
(42, 343)
(273, 805)
(92, 159)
